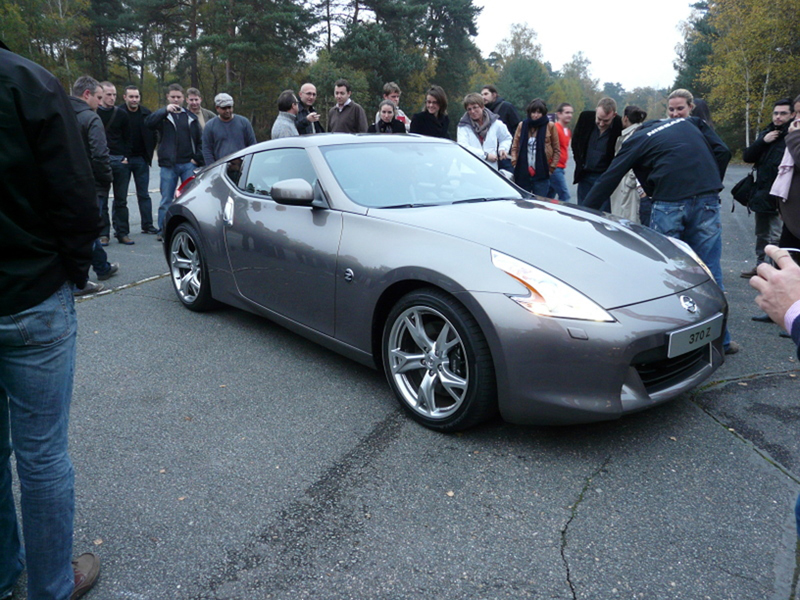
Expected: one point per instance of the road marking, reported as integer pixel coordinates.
(120, 287)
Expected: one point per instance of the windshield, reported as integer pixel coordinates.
(395, 175)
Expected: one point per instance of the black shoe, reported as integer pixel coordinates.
(159, 238)
(149, 229)
(784, 334)
(112, 270)
(761, 319)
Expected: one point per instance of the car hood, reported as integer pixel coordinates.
(612, 261)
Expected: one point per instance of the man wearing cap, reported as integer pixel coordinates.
(227, 133)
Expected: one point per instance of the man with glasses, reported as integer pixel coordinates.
(307, 115)
(766, 153)
(286, 123)
(227, 133)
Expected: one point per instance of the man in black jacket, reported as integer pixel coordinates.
(48, 222)
(180, 149)
(502, 108)
(767, 152)
(593, 145)
(143, 144)
(86, 95)
(118, 137)
(307, 116)
(681, 164)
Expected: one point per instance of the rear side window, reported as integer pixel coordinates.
(269, 167)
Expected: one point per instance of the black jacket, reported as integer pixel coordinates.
(673, 159)
(303, 124)
(48, 215)
(167, 147)
(507, 113)
(424, 123)
(94, 142)
(580, 140)
(148, 135)
(767, 158)
(118, 134)
(394, 126)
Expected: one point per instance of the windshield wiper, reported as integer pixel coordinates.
(408, 205)
(480, 200)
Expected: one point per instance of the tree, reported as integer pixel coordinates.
(521, 43)
(753, 58)
(695, 51)
(522, 80)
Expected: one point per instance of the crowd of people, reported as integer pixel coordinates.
(64, 156)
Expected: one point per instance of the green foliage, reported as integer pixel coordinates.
(695, 51)
(522, 80)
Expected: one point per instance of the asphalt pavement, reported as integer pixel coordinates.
(219, 456)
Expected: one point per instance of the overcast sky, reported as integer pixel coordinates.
(636, 50)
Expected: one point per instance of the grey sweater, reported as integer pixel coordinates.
(221, 138)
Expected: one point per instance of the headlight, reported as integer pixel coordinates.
(548, 296)
(688, 249)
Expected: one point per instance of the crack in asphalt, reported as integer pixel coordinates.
(283, 551)
(761, 452)
(573, 514)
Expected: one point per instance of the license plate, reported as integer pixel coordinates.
(691, 338)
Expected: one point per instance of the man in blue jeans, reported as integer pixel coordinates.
(680, 163)
(179, 148)
(49, 220)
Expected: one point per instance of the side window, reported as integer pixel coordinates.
(269, 167)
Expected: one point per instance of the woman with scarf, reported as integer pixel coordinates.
(535, 150)
(433, 121)
(482, 132)
(387, 122)
(628, 200)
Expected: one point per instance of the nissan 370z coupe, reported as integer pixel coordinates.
(411, 255)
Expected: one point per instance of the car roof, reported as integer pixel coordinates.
(336, 139)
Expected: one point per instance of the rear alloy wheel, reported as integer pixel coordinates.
(188, 269)
(438, 363)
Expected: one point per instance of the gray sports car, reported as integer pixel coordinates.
(412, 255)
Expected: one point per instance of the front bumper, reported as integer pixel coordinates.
(561, 371)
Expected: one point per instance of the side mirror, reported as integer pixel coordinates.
(294, 192)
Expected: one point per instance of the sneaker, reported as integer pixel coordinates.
(124, 239)
(149, 229)
(159, 238)
(86, 568)
(112, 270)
(104, 240)
(732, 348)
(748, 274)
(90, 288)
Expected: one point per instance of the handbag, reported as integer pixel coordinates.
(744, 188)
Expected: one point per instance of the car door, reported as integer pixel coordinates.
(283, 257)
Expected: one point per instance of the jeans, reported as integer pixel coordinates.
(138, 167)
(586, 184)
(768, 231)
(695, 221)
(37, 363)
(100, 262)
(119, 209)
(169, 182)
(539, 187)
(558, 186)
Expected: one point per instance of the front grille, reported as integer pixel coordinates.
(656, 374)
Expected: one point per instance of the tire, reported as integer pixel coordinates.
(188, 269)
(438, 363)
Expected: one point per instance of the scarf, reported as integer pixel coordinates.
(384, 127)
(780, 187)
(480, 129)
(522, 175)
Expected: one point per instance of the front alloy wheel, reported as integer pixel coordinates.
(437, 362)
